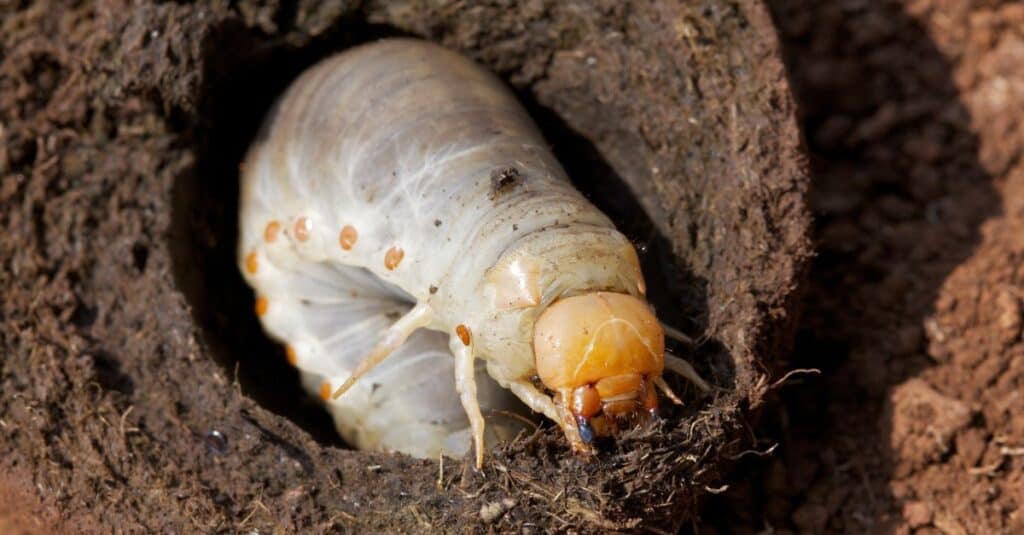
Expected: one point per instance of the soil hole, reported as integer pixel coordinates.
(243, 76)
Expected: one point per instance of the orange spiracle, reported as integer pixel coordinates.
(251, 263)
(463, 333)
(325, 391)
(348, 237)
(289, 353)
(261, 305)
(393, 258)
(271, 231)
(302, 228)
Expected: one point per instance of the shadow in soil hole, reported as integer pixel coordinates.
(243, 77)
(899, 196)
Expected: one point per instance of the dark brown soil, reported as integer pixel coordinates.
(136, 391)
(914, 115)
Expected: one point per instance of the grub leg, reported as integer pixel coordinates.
(393, 338)
(685, 369)
(465, 383)
(535, 399)
(676, 334)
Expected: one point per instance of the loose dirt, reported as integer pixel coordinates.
(912, 112)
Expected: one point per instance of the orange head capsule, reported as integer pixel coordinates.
(600, 352)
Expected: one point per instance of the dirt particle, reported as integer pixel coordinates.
(295, 494)
(923, 423)
(503, 181)
(970, 445)
(1009, 316)
(489, 512)
(948, 524)
(917, 514)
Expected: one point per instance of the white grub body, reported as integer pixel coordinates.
(415, 149)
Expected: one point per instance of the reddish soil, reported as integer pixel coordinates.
(22, 511)
(914, 115)
(136, 390)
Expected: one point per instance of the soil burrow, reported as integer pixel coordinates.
(136, 388)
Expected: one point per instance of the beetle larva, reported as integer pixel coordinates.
(399, 186)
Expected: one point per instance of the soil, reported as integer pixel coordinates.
(912, 114)
(137, 393)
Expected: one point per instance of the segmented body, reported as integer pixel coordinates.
(400, 174)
